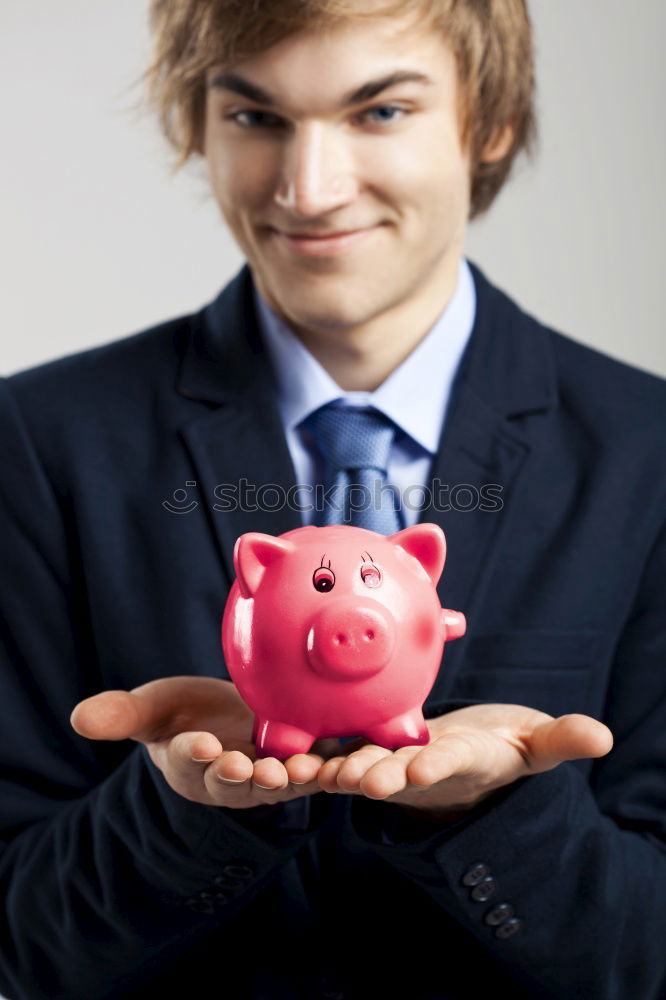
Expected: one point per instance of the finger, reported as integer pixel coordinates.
(177, 761)
(204, 748)
(233, 768)
(571, 737)
(303, 768)
(386, 777)
(270, 775)
(111, 715)
(446, 756)
(354, 767)
(327, 777)
(228, 778)
(146, 713)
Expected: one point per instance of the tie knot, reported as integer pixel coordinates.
(352, 439)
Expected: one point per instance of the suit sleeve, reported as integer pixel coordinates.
(562, 877)
(106, 874)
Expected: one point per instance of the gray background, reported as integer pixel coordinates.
(97, 241)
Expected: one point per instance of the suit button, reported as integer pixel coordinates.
(225, 882)
(238, 871)
(484, 890)
(220, 898)
(200, 905)
(508, 928)
(475, 873)
(499, 914)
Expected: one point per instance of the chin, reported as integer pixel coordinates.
(334, 302)
(315, 313)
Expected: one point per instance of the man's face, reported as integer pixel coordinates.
(388, 167)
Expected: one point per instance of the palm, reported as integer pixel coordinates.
(472, 752)
(161, 709)
(198, 732)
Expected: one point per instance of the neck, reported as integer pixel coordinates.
(360, 358)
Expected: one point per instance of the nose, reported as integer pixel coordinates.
(350, 640)
(317, 173)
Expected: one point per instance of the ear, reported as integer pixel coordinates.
(498, 145)
(426, 542)
(253, 553)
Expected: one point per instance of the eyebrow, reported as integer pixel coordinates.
(239, 85)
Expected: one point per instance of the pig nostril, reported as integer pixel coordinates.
(369, 635)
(340, 639)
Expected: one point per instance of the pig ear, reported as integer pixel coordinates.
(426, 542)
(254, 552)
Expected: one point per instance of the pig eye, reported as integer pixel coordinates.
(323, 579)
(371, 575)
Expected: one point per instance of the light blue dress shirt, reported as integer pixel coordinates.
(415, 395)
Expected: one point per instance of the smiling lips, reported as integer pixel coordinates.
(325, 245)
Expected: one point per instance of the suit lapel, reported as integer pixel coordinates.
(238, 451)
(238, 447)
(477, 459)
(496, 422)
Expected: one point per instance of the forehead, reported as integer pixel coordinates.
(324, 66)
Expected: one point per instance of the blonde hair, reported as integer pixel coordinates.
(491, 41)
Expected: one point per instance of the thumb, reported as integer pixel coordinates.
(570, 737)
(111, 715)
(146, 713)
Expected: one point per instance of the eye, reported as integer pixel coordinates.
(379, 117)
(323, 579)
(371, 575)
(254, 119)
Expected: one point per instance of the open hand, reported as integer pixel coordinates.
(472, 752)
(198, 732)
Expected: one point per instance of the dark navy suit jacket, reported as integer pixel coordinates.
(115, 886)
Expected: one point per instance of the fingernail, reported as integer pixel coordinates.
(203, 760)
(230, 781)
(267, 788)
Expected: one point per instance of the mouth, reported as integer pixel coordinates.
(326, 244)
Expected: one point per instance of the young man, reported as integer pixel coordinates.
(146, 849)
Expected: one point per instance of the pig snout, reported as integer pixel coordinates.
(350, 639)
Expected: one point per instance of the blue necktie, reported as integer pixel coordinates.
(355, 446)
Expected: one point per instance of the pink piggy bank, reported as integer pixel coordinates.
(337, 631)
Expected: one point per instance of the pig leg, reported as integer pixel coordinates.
(401, 731)
(277, 739)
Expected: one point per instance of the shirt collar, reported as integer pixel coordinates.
(415, 395)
